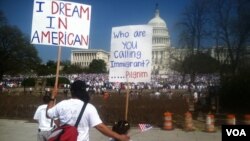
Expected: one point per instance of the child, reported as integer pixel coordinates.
(120, 127)
(45, 125)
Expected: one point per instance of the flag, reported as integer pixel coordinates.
(144, 127)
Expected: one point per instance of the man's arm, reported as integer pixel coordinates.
(50, 105)
(108, 132)
(57, 122)
(35, 117)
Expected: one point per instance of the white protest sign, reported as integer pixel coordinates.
(131, 54)
(61, 23)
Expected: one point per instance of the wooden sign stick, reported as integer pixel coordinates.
(127, 102)
(55, 90)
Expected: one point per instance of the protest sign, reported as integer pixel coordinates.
(131, 54)
(61, 23)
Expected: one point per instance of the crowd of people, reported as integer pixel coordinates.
(100, 82)
(97, 83)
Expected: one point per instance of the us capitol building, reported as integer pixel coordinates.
(160, 49)
(160, 45)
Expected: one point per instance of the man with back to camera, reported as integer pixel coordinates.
(67, 112)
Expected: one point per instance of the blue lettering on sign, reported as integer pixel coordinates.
(35, 36)
(127, 54)
(121, 34)
(128, 64)
(54, 38)
(50, 22)
(139, 33)
(129, 45)
(40, 6)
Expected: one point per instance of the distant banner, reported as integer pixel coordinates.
(61, 23)
(131, 54)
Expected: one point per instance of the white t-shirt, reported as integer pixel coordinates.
(40, 116)
(195, 95)
(67, 112)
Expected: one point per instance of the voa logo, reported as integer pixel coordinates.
(236, 132)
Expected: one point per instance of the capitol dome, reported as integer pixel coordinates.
(157, 21)
(160, 44)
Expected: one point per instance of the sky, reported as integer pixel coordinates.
(105, 14)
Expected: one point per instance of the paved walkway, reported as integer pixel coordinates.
(21, 130)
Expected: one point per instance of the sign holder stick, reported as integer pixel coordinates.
(55, 90)
(127, 102)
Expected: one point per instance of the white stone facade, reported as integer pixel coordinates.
(160, 45)
(84, 57)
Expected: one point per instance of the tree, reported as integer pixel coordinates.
(71, 69)
(17, 54)
(48, 68)
(3, 20)
(231, 19)
(42, 70)
(194, 29)
(97, 66)
(194, 24)
(200, 63)
(51, 66)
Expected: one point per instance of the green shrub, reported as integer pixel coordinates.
(30, 82)
(61, 80)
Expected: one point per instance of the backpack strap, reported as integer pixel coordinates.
(51, 122)
(80, 115)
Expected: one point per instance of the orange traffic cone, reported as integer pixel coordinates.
(168, 125)
(231, 119)
(247, 119)
(210, 123)
(188, 122)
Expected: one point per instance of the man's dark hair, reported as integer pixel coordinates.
(46, 99)
(78, 90)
